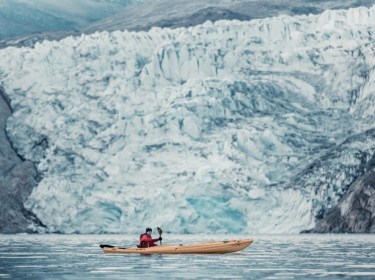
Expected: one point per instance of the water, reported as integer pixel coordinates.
(269, 257)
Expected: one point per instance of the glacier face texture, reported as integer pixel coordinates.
(231, 127)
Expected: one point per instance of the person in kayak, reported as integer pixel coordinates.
(146, 240)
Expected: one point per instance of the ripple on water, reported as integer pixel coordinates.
(269, 257)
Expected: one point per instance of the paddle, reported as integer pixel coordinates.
(109, 246)
(160, 233)
(106, 246)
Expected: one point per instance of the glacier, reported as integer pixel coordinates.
(233, 127)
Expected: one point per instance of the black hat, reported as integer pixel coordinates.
(148, 229)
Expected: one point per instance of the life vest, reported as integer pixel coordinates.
(146, 241)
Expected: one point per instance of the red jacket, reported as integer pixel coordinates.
(149, 242)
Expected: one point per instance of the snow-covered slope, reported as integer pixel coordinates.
(219, 127)
(19, 17)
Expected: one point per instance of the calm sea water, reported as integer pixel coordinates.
(269, 257)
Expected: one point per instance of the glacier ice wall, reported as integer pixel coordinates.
(226, 127)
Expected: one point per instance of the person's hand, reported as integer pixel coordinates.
(160, 239)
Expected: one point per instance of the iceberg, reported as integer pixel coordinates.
(233, 127)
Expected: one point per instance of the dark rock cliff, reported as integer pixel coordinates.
(355, 212)
(17, 180)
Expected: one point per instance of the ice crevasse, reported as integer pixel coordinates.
(232, 127)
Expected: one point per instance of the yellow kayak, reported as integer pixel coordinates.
(221, 247)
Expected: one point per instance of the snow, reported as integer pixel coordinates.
(199, 129)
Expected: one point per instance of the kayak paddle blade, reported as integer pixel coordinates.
(106, 246)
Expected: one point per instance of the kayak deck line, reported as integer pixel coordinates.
(212, 247)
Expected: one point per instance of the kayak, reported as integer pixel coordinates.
(221, 247)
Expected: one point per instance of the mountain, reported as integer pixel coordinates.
(21, 17)
(142, 15)
(181, 13)
(254, 126)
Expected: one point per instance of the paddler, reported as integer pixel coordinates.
(145, 240)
